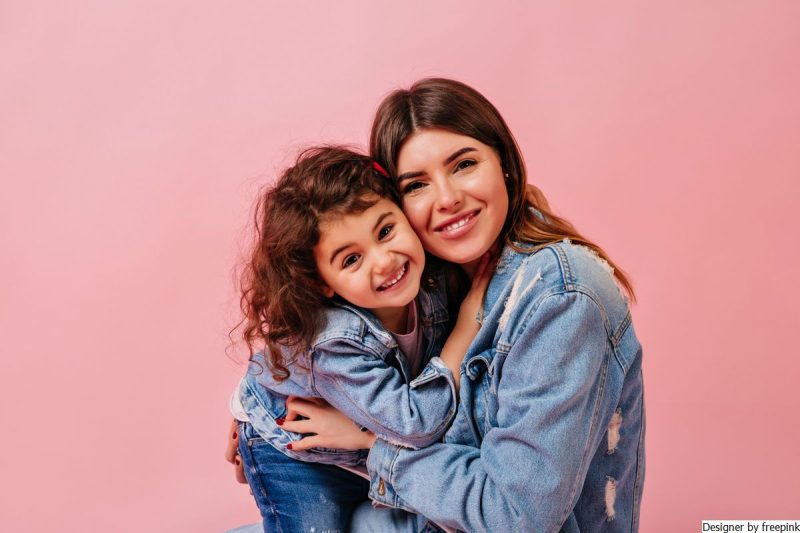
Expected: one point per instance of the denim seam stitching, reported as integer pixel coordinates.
(592, 429)
(595, 410)
(564, 266)
(392, 463)
(622, 328)
(553, 291)
(257, 478)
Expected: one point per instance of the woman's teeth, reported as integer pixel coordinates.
(395, 279)
(456, 225)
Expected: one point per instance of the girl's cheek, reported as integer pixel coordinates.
(416, 213)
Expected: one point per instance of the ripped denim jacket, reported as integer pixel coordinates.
(549, 434)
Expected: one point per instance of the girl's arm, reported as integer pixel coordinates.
(375, 396)
(333, 429)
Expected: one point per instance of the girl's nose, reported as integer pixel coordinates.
(384, 261)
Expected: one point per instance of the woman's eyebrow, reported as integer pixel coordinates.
(458, 153)
(409, 175)
(452, 157)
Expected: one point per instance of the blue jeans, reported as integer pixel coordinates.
(294, 495)
(367, 519)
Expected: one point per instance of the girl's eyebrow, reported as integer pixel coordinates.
(380, 219)
(349, 244)
(452, 157)
(339, 250)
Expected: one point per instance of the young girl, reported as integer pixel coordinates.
(333, 294)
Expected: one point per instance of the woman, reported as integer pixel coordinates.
(550, 429)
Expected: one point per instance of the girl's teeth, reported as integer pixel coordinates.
(395, 279)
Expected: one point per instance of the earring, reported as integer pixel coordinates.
(506, 175)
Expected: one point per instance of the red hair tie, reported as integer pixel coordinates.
(380, 169)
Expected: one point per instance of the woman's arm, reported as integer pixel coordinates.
(232, 452)
(330, 428)
(554, 404)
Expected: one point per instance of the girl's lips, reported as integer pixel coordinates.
(400, 281)
(457, 226)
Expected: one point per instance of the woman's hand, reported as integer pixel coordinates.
(470, 316)
(232, 452)
(330, 428)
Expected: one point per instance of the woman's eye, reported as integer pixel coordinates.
(385, 231)
(465, 163)
(350, 260)
(413, 186)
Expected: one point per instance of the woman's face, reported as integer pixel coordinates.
(454, 194)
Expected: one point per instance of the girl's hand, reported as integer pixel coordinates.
(330, 428)
(232, 453)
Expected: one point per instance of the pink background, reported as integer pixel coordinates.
(134, 137)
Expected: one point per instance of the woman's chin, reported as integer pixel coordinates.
(466, 251)
(467, 257)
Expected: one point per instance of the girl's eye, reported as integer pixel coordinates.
(385, 231)
(350, 260)
(465, 163)
(413, 186)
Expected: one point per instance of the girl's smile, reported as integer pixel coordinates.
(372, 259)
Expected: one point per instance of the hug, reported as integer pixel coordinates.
(426, 333)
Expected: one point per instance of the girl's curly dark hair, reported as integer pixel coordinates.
(282, 298)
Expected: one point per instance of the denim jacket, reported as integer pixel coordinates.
(356, 365)
(549, 433)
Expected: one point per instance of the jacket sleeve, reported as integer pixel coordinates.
(552, 410)
(374, 395)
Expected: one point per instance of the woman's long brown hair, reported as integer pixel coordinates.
(282, 295)
(454, 106)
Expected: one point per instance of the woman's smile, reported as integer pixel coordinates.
(457, 226)
(454, 193)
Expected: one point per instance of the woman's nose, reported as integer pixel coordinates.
(448, 196)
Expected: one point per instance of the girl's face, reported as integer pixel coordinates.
(454, 194)
(372, 259)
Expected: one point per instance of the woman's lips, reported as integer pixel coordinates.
(457, 226)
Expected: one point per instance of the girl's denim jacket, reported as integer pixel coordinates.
(549, 433)
(355, 364)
